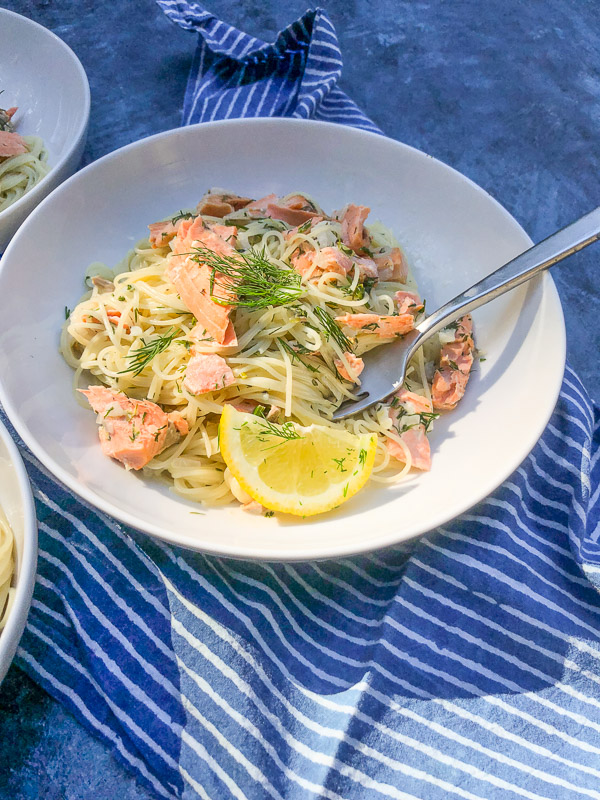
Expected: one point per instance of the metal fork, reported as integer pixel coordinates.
(385, 367)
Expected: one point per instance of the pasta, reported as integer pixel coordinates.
(7, 569)
(337, 289)
(22, 161)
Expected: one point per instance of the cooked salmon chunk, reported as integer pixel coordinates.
(132, 431)
(417, 443)
(193, 279)
(456, 359)
(329, 259)
(407, 406)
(382, 325)
(219, 204)
(207, 373)
(353, 227)
(294, 210)
(161, 233)
(355, 363)
(408, 303)
(392, 266)
(12, 144)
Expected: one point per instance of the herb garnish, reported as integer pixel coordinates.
(256, 281)
(362, 457)
(286, 432)
(182, 215)
(67, 312)
(296, 356)
(332, 329)
(427, 417)
(144, 355)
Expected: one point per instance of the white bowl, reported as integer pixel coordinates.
(16, 501)
(453, 231)
(43, 77)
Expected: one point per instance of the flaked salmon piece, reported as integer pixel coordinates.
(380, 324)
(220, 204)
(313, 221)
(10, 112)
(180, 423)
(132, 431)
(207, 373)
(412, 402)
(457, 355)
(356, 364)
(226, 232)
(367, 268)
(456, 359)
(329, 259)
(161, 233)
(193, 283)
(408, 302)
(353, 226)
(200, 334)
(258, 208)
(292, 216)
(414, 438)
(448, 388)
(193, 280)
(417, 443)
(392, 266)
(12, 144)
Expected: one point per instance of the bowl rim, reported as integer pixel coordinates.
(15, 625)
(274, 554)
(40, 186)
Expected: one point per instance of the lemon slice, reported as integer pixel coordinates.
(301, 471)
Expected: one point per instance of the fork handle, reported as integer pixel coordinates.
(548, 252)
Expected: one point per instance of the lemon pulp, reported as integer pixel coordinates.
(289, 468)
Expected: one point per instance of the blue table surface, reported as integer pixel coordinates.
(507, 93)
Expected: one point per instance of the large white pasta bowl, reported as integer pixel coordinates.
(16, 503)
(44, 78)
(453, 232)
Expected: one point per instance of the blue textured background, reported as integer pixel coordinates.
(508, 93)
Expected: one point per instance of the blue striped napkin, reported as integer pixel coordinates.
(466, 665)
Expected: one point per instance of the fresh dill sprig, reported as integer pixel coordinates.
(144, 355)
(427, 418)
(295, 355)
(182, 215)
(286, 432)
(256, 281)
(332, 329)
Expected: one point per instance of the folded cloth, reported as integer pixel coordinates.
(464, 665)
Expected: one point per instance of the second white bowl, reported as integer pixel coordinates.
(44, 78)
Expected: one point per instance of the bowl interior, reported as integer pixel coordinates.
(454, 234)
(43, 77)
(16, 503)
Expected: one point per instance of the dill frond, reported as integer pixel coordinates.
(144, 355)
(256, 281)
(332, 329)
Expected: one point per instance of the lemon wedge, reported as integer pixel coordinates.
(302, 471)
